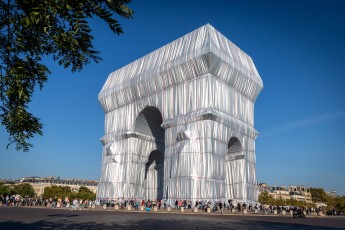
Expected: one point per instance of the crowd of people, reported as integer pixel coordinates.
(16, 200)
(207, 206)
(216, 206)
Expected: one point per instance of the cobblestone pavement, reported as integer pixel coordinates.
(59, 218)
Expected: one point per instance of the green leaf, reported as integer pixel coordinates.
(30, 30)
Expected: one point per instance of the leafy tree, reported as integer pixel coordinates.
(25, 190)
(318, 195)
(265, 198)
(85, 194)
(65, 191)
(280, 201)
(57, 191)
(292, 202)
(31, 30)
(4, 190)
(340, 203)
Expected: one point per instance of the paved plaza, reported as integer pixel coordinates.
(54, 218)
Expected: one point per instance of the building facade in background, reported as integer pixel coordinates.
(179, 123)
(299, 193)
(39, 183)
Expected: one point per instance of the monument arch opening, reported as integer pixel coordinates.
(154, 172)
(148, 123)
(234, 146)
(232, 169)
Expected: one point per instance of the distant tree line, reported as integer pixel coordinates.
(318, 195)
(65, 191)
(26, 190)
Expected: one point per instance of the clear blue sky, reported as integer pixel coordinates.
(298, 48)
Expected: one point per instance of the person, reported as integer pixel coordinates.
(189, 204)
(244, 206)
(66, 204)
(334, 212)
(74, 205)
(221, 208)
(7, 198)
(176, 204)
(300, 211)
(180, 203)
(231, 207)
(136, 205)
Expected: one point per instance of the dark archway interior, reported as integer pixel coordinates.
(156, 159)
(234, 146)
(234, 152)
(149, 123)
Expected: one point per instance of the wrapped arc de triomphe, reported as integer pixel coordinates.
(179, 123)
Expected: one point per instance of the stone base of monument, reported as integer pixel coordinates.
(116, 206)
(104, 206)
(275, 212)
(129, 207)
(195, 209)
(291, 212)
(142, 208)
(283, 212)
(208, 210)
(93, 206)
(182, 209)
(155, 208)
(245, 211)
(168, 209)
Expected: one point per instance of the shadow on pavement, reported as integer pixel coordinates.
(63, 215)
(149, 224)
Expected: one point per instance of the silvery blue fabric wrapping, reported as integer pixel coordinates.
(179, 123)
